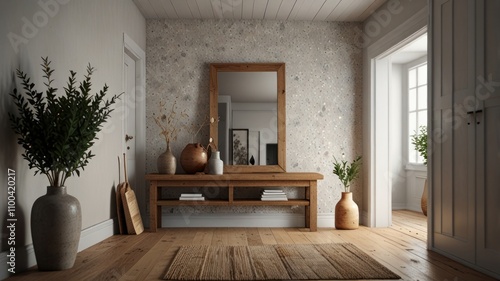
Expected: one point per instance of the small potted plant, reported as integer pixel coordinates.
(419, 140)
(57, 132)
(346, 210)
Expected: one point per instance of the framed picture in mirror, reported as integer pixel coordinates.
(239, 146)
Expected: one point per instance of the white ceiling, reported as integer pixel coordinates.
(309, 10)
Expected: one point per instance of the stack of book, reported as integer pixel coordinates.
(192, 197)
(273, 195)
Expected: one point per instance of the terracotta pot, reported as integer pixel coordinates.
(193, 158)
(346, 212)
(56, 224)
(166, 162)
(423, 200)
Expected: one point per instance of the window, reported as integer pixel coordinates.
(417, 106)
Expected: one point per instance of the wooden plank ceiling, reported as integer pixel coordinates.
(309, 10)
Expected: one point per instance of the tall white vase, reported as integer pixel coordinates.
(215, 164)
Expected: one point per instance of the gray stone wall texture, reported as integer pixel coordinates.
(323, 91)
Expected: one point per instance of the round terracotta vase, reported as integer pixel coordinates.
(193, 158)
(346, 212)
(166, 162)
(56, 224)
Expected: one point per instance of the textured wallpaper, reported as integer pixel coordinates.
(323, 88)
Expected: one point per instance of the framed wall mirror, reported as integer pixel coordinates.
(248, 99)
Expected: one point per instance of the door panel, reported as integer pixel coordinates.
(488, 138)
(453, 84)
(130, 132)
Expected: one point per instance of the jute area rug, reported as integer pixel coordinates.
(276, 262)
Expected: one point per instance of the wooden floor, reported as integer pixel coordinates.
(401, 248)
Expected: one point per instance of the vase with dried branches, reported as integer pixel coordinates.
(169, 125)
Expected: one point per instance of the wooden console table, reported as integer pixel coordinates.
(232, 181)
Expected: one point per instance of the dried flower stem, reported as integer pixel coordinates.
(168, 124)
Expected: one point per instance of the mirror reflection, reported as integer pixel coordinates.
(247, 107)
(251, 111)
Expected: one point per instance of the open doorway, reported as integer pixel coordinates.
(402, 71)
(388, 111)
(407, 117)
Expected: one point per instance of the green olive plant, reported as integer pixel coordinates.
(347, 173)
(58, 130)
(419, 140)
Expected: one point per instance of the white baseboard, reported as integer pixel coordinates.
(232, 220)
(243, 220)
(25, 255)
(326, 220)
(96, 233)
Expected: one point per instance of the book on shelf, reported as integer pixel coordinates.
(192, 198)
(272, 191)
(274, 199)
(273, 195)
(191, 195)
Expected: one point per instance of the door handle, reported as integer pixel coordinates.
(127, 137)
(478, 116)
(476, 113)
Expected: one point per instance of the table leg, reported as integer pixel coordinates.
(153, 209)
(308, 207)
(312, 209)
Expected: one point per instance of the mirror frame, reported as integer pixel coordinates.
(279, 68)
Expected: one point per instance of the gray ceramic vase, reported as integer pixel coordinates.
(166, 162)
(56, 224)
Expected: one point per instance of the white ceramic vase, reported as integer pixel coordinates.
(215, 164)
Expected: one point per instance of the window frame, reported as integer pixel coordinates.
(406, 90)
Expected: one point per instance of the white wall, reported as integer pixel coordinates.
(72, 34)
(397, 123)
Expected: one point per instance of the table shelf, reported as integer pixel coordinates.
(236, 202)
(232, 182)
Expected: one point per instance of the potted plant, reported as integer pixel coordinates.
(56, 132)
(419, 140)
(346, 210)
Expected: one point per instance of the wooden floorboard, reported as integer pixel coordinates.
(402, 248)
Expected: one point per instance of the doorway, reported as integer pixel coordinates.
(407, 117)
(134, 118)
(386, 116)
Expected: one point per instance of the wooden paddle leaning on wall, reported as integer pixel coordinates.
(130, 207)
(119, 204)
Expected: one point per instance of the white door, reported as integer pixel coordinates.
(453, 133)
(134, 118)
(129, 110)
(488, 137)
